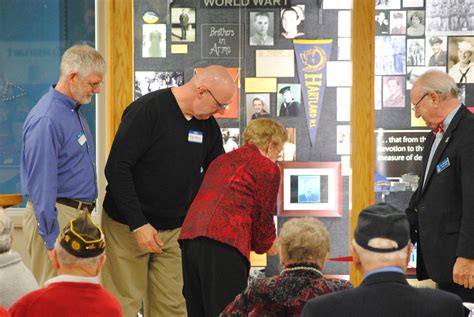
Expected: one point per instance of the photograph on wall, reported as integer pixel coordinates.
(154, 40)
(289, 100)
(146, 81)
(416, 52)
(387, 4)
(230, 138)
(394, 91)
(344, 23)
(183, 24)
(288, 153)
(436, 48)
(310, 189)
(460, 59)
(292, 21)
(261, 30)
(398, 22)
(415, 23)
(390, 56)
(381, 22)
(258, 106)
(455, 17)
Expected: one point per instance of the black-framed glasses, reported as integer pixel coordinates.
(415, 106)
(220, 105)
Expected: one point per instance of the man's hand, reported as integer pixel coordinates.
(148, 239)
(463, 272)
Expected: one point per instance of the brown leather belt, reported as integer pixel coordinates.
(76, 204)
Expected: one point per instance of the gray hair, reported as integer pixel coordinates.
(304, 240)
(65, 258)
(6, 231)
(369, 257)
(440, 82)
(82, 59)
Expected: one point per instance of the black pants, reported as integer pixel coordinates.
(214, 273)
(466, 294)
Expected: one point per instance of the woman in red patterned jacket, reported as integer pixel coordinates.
(231, 215)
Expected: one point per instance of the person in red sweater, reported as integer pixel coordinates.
(231, 215)
(4, 312)
(77, 257)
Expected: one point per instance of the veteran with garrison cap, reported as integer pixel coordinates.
(381, 250)
(77, 257)
(439, 56)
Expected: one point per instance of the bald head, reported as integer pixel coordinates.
(209, 91)
(437, 81)
(215, 77)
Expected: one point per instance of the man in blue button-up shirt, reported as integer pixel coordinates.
(58, 171)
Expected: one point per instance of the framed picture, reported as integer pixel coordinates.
(310, 189)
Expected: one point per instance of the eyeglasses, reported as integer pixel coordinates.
(95, 85)
(414, 107)
(220, 105)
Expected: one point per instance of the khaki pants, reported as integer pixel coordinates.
(133, 275)
(40, 263)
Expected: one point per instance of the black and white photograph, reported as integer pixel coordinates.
(416, 52)
(230, 138)
(183, 24)
(390, 56)
(289, 100)
(261, 30)
(398, 22)
(292, 21)
(387, 4)
(148, 81)
(453, 18)
(436, 50)
(461, 59)
(416, 23)
(258, 106)
(154, 40)
(382, 22)
(394, 91)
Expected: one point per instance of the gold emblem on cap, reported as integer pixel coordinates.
(75, 245)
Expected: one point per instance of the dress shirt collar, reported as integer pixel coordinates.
(69, 102)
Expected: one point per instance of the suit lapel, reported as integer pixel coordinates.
(443, 144)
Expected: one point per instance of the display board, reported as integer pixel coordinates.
(303, 84)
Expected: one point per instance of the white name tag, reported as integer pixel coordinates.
(81, 139)
(195, 136)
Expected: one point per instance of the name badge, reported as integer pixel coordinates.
(81, 138)
(195, 136)
(444, 164)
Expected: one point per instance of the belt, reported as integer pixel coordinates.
(76, 204)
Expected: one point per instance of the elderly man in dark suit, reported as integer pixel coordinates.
(441, 211)
(381, 249)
